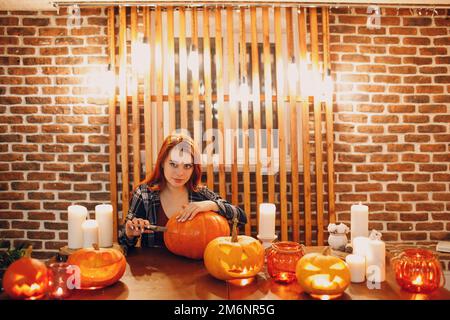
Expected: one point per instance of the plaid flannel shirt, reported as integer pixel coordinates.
(145, 204)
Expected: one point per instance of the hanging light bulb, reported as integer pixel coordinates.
(327, 87)
(244, 91)
(292, 74)
(305, 80)
(105, 80)
(140, 53)
(193, 59)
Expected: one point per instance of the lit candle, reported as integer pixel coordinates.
(359, 216)
(376, 260)
(360, 246)
(90, 233)
(76, 215)
(266, 226)
(357, 266)
(104, 218)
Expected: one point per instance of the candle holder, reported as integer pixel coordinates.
(282, 260)
(418, 271)
(58, 276)
(267, 242)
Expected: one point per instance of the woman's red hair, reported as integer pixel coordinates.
(157, 181)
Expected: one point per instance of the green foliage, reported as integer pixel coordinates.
(8, 256)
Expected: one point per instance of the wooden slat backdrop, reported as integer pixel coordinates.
(123, 110)
(254, 45)
(256, 109)
(135, 128)
(317, 127)
(112, 121)
(232, 103)
(305, 130)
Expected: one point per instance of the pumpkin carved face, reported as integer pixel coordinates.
(26, 278)
(98, 267)
(227, 260)
(324, 277)
(190, 238)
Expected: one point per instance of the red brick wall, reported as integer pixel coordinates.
(392, 121)
(392, 116)
(53, 142)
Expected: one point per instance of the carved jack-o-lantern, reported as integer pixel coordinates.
(26, 278)
(98, 267)
(323, 276)
(235, 257)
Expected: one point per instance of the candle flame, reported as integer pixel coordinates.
(59, 291)
(418, 281)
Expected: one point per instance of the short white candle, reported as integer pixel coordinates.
(359, 219)
(376, 261)
(266, 226)
(360, 246)
(104, 218)
(90, 233)
(76, 215)
(357, 266)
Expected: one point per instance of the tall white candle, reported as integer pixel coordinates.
(266, 226)
(104, 218)
(360, 246)
(357, 266)
(376, 261)
(359, 219)
(90, 233)
(76, 215)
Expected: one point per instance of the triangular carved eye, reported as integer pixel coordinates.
(337, 266)
(311, 267)
(225, 249)
(244, 256)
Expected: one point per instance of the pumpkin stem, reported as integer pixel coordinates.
(96, 247)
(234, 233)
(28, 251)
(326, 251)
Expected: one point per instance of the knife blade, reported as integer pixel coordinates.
(156, 228)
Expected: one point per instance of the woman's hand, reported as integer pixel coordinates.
(193, 208)
(136, 227)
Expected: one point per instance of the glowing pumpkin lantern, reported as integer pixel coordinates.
(233, 258)
(418, 270)
(190, 238)
(323, 276)
(26, 278)
(98, 267)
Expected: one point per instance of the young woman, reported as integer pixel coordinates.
(173, 188)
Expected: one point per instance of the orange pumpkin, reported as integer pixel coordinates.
(323, 276)
(190, 238)
(26, 278)
(235, 257)
(98, 267)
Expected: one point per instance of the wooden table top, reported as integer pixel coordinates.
(156, 274)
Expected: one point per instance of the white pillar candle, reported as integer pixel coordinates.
(266, 226)
(76, 215)
(357, 266)
(90, 233)
(376, 261)
(360, 246)
(104, 218)
(359, 216)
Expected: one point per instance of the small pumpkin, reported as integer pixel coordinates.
(235, 257)
(323, 276)
(190, 238)
(26, 278)
(99, 267)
